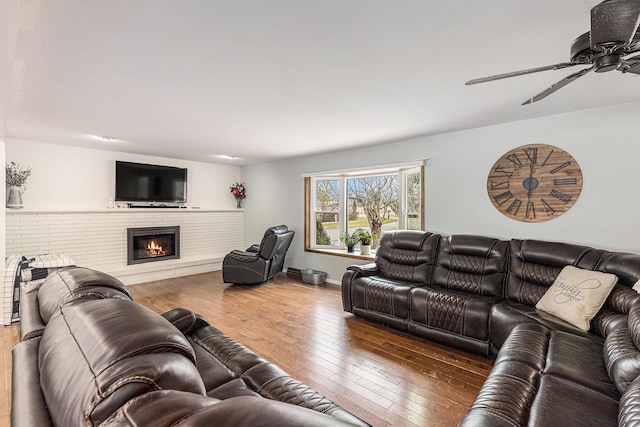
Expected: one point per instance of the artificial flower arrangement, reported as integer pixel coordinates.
(16, 175)
(239, 192)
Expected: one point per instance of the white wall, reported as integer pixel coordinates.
(68, 177)
(9, 14)
(603, 141)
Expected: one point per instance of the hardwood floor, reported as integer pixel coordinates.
(386, 377)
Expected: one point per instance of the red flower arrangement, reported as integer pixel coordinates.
(239, 192)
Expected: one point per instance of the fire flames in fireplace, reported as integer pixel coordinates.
(153, 244)
(153, 249)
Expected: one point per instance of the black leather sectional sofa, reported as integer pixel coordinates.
(480, 294)
(91, 356)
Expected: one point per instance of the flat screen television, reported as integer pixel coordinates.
(142, 183)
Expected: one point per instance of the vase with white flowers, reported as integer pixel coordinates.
(15, 178)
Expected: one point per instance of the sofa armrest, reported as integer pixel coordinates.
(185, 320)
(31, 324)
(181, 318)
(349, 276)
(241, 256)
(254, 248)
(370, 269)
(28, 407)
(172, 407)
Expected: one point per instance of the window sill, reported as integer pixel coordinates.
(342, 253)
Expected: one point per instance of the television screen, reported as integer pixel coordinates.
(137, 182)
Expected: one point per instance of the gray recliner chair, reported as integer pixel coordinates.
(258, 263)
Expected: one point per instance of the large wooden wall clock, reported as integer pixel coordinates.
(534, 183)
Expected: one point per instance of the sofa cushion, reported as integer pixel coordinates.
(580, 406)
(577, 295)
(71, 284)
(382, 295)
(94, 357)
(538, 370)
(506, 315)
(457, 312)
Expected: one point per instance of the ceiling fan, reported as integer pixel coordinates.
(612, 44)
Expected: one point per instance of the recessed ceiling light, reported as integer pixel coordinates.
(225, 156)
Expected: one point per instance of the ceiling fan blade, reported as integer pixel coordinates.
(614, 23)
(556, 86)
(634, 69)
(521, 73)
(631, 65)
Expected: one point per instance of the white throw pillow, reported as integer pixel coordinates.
(577, 295)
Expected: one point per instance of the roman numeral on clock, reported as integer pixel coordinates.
(513, 158)
(500, 169)
(565, 181)
(502, 197)
(514, 207)
(560, 167)
(531, 210)
(560, 196)
(500, 184)
(546, 159)
(532, 155)
(547, 207)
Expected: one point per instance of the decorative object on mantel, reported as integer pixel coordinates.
(239, 193)
(16, 178)
(365, 237)
(534, 183)
(350, 240)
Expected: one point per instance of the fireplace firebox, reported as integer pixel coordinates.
(150, 244)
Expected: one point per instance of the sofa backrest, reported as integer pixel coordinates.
(621, 351)
(96, 356)
(534, 266)
(72, 284)
(622, 297)
(474, 264)
(274, 246)
(407, 255)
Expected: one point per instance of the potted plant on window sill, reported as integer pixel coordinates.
(350, 240)
(365, 238)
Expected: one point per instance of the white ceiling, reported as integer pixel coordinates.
(270, 79)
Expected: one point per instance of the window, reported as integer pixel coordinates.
(376, 200)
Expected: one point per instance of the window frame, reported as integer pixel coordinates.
(403, 171)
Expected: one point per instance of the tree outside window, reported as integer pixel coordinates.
(375, 202)
(377, 198)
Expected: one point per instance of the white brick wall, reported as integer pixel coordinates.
(98, 239)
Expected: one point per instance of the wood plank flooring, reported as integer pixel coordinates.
(386, 377)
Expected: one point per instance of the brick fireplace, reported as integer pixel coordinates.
(98, 239)
(150, 244)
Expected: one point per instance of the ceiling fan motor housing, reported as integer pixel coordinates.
(606, 63)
